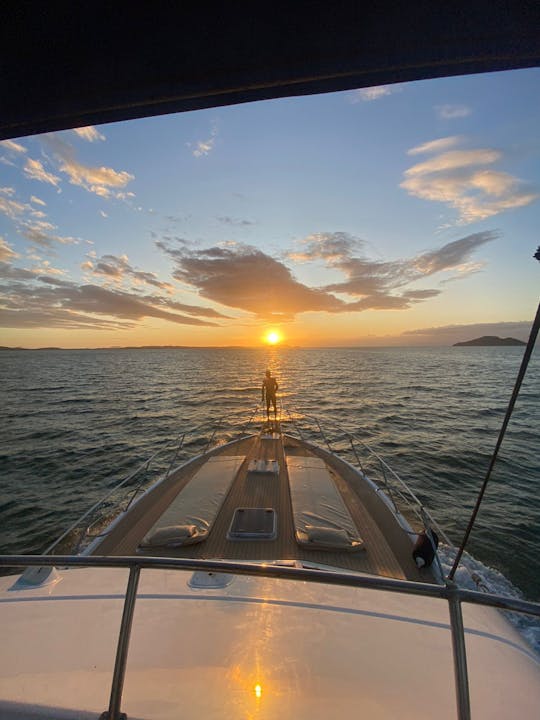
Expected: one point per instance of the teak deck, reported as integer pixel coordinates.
(388, 549)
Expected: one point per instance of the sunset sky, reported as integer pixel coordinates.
(396, 215)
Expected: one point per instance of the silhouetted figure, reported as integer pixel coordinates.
(269, 389)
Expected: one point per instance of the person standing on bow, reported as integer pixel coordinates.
(269, 389)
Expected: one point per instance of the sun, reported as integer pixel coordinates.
(273, 337)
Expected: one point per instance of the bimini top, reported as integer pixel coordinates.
(68, 65)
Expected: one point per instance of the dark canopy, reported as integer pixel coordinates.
(71, 64)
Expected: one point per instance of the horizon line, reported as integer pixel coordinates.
(6, 348)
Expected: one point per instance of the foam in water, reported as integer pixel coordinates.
(474, 575)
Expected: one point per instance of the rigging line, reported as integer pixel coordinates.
(524, 363)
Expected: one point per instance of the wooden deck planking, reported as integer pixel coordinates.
(268, 490)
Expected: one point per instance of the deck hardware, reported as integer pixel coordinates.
(253, 524)
(261, 466)
(201, 580)
(34, 577)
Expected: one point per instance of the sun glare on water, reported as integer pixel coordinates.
(272, 337)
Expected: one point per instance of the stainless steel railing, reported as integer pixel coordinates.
(135, 482)
(450, 592)
(395, 489)
(400, 495)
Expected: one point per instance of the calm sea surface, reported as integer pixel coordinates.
(75, 422)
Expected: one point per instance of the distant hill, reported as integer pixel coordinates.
(4, 347)
(489, 341)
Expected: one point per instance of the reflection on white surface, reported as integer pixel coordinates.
(257, 649)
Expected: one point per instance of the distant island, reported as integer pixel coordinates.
(489, 341)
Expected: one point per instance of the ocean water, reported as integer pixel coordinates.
(75, 422)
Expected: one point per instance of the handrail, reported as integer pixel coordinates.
(283, 572)
(100, 502)
(403, 491)
(124, 636)
(178, 444)
(449, 592)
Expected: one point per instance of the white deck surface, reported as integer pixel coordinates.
(259, 648)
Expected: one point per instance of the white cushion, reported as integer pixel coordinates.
(170, 536)
(327, 536)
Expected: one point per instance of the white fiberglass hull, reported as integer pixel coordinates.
(256, 647)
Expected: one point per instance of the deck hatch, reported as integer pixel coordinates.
(253, 524)
(261, 466)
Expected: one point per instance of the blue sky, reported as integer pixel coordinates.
(405, 214)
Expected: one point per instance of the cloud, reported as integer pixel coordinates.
(450, 334)
(12, 208)
(57, 318)
(47, 301)
(89, 133)
(177, 218)
(463, 271)
(439, 145)
(374, 93)
(205, 147)
(34, 170)
(118, 270)
(9, 272)
(333, 248)
(96, 299)
(6, 251)
(453, 160)
(42, 233)
(197, 310)
(102, 181)
(31, 223)
(124, 195)
(453, 255)
(38, 201)
(384, 284)
(450, 112)
(460, 179)
(236, 222)
(244, 277)
(420, 294)
(47, 269)
(381, 301)
(32, 254)
(13, 146)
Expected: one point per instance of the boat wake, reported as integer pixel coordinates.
(474, 575)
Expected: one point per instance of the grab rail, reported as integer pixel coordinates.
(394, 492)
(401, 489)
(177, 445)
(450, 592)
